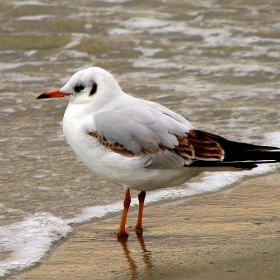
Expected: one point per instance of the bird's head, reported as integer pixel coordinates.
(91, 85)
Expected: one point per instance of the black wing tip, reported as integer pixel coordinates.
(235, 164)
(241, 153)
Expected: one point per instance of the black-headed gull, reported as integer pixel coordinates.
(140, 144)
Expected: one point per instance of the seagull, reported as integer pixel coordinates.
(140, 144)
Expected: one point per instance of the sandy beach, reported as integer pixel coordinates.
(230, 234)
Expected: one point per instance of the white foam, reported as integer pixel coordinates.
(115, 1)
(31, 3)
(10, 66)
(158, 26)
(26, 242)
(148, 51)
(76, 40)
(209, 182)
(30, 53)
(215, 181)
(118, 32)
(100, 211)
(8, 110)
(144, 23)
(272, 139)
(35, 18)
(156, 63)
(237, 69)
(210, 36)
(75, 54)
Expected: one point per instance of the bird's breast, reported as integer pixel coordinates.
(126, 171)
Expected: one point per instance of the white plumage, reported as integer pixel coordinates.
(140, 144)
(131, 122)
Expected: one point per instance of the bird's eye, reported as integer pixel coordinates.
(79, 88)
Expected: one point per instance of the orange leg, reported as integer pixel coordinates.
(141, 198)
(126, 203)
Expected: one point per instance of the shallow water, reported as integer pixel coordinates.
(217, 63)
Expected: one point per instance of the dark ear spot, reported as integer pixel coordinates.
(93, 89)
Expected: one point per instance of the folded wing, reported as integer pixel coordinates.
(166, 140)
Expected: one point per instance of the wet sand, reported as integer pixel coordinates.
(231, 234)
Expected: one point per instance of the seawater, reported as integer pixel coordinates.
(215, 63)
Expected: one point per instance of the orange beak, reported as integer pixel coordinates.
(53, 94)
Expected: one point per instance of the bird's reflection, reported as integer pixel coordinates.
(146, 256)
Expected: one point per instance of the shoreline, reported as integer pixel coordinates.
(230, 234)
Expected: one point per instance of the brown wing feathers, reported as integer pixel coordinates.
(200, 145)
(196, 145)
(116, 147)
(202, 149)
(238, 154)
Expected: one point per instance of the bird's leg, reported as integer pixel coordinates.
(141, 198)
(126, 203)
